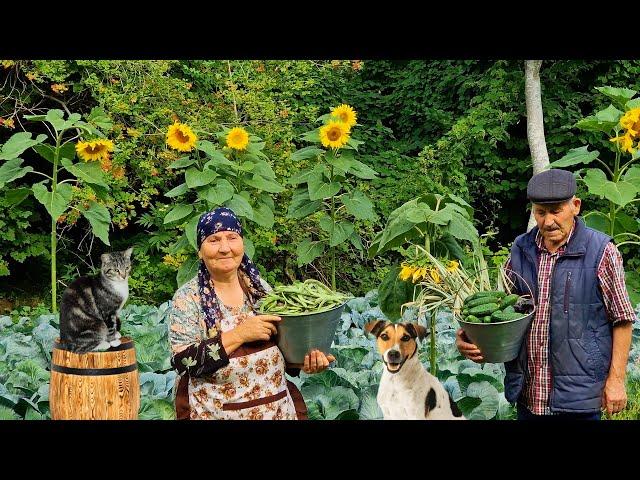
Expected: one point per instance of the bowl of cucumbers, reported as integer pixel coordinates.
(310, 313)
(497, 323)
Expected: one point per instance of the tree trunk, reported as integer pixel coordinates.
(535, 121)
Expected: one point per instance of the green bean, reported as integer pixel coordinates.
(310, 296)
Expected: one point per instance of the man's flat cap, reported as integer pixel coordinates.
(551, 186)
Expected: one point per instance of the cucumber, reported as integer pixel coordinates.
(472, 319)
(505, 317)
(486, 319)
(509, 300)
(478, 295)
(484, 309)
(482, 300)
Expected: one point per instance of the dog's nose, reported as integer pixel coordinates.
(393, 356)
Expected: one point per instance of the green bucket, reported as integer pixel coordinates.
(498, 342)
(299, 334)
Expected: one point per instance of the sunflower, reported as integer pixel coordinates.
(625, 142)
(346, 114)
(419, 273)
(94, 150)
(434, 275)
(406, 272)
(181, 137)
(334, 134)
(237, 138)
(631, 121)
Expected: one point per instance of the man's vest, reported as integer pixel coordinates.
(580, 342)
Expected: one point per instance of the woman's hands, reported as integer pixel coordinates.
(316, 361)
(258, 327)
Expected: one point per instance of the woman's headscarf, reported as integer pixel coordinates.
(218, 220)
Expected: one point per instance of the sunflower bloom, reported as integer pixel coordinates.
(405, 272)
(334, 134)
(453, 266)
(181, 137)
(94, 150)
(237, 138)
(346, 114)
(631, 121)
(417, 274)
(625, 142)
(433, 273)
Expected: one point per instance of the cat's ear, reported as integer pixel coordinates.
(127, 252)
(104, 257)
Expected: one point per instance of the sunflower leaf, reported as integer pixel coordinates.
(100, 219)
(177, 191)
(18, 143)
(220, 193)
(183, 162)
(359, 205)
(306, 152)
(12, 170)
(196, 178)
(308, 251)
(263, 215)
(178, 213)
(89, 172)
(261, 183)
(55, 203)
(240, 206)
(312, 136)
(363, 171)
(191, 231)
(301, 206)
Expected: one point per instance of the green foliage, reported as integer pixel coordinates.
(617, 178)
(438, 126)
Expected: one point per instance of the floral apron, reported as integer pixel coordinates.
(252, 386)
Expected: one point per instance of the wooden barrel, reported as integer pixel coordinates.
(95, 385)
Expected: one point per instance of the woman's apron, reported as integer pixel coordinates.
(252, 386)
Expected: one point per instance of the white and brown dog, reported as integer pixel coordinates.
(407, 391)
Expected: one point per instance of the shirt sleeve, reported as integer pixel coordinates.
(613, 286)
(192, 351)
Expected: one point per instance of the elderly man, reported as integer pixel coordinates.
(573, 362)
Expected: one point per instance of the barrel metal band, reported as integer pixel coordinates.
(94, 371)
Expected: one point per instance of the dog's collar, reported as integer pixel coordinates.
(402, 362)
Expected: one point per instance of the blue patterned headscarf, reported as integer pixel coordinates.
(218, 220)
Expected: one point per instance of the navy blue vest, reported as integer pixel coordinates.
(580, 333)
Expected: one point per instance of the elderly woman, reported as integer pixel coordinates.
(228, 364)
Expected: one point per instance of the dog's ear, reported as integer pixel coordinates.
(375, 327)
(416, 331)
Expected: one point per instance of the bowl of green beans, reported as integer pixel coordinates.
(310, 313)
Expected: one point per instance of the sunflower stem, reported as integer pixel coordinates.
(54, 239)
(333, 250)
(433, 366)
(233, 92)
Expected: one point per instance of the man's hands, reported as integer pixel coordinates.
(466, 348)
(614, 395)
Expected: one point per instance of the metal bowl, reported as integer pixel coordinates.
(498, 342)
(299, 334)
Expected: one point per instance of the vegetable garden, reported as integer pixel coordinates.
(394, 182)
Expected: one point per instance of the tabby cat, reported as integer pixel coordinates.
(90, 305)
